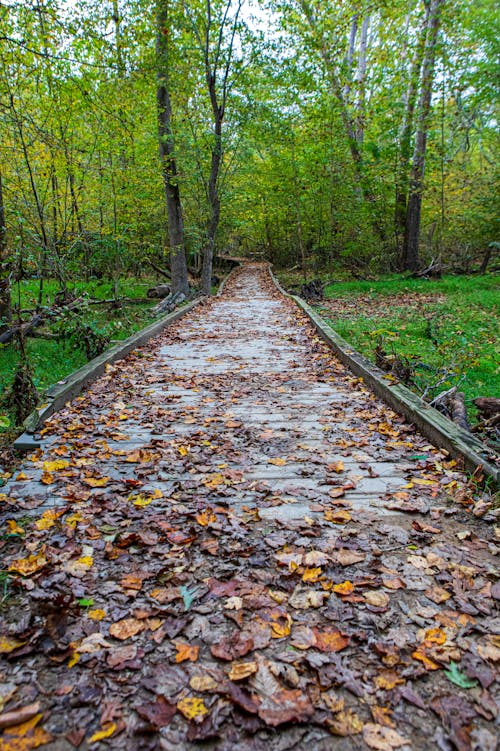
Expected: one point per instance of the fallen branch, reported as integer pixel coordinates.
(433, 271)
(161, 271)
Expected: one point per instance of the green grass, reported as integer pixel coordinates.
(448, 327)
(52, 360)
(101, 290)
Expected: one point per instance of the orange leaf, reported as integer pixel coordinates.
(186, 652)
(346, 588)
(337, 517)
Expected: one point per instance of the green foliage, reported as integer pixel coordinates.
(73, 331)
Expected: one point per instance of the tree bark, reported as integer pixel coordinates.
(405, 133)
(410, 256)
(178, 264)
(5, 302)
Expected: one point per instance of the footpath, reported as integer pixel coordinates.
(228, 542)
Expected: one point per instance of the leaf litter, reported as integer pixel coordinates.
(228, 539)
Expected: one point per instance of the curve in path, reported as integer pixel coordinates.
(234, 538)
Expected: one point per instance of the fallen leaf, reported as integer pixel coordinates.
(126, 628)
(192, 708)
(345, 588)
(29, 565)
(96, 615)
(106, 732)
(339, 516)
(382, 738)
(241, 670)
(158, 713)
(203, 683)
(376, 598)
(186, 652)
(8, 644)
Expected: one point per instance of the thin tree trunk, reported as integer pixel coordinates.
(411, 243)
(5, 303)
(360, 80)
(213, 192)
(350, 56)
(404, 146)
(178, 263)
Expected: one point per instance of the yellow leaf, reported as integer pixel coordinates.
(213, 481)
(106, 732)
(311, 575)
(8, 644)
(56, 465)
(85, 560)
(278, 462)
(97, 614)
(183, 450)
(48, 519)
(22, 476)
(279, 630)
(346, 588)
(192, 708)
(73, 659)
(29, 565)
(73, 519)
(13, 527)
(97, 482)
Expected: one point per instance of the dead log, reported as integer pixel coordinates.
(160, 291)
(488, 406)
(24, 328)
(452, 404)
(169, 303)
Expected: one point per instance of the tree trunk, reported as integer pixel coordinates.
(410, 256)
(350, 56)
(404, 145)
(360, 81)
(213, 193)
(178, 264)
(5, 303)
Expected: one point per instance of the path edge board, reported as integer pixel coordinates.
(59, 393)
(439, 429)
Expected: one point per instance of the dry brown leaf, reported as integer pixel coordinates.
(240, 670)
(126, 628)
(382, 738)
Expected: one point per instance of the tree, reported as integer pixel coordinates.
(5, 304)
(215, 29)
(410, 259)
(178, 264)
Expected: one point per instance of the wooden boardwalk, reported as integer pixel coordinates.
(228, 539)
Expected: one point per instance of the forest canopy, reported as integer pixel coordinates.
(358, 134)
